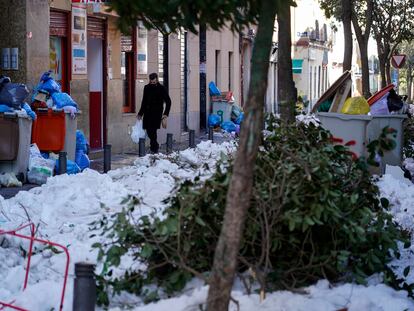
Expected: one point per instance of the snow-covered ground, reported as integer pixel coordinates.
(64, 208)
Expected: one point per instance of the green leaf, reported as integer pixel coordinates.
(200, 221)
(406, 271)
(146, 250)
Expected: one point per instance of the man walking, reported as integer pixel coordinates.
(152, 109)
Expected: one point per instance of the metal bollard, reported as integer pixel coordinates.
(141, 150)
(84, 292)
(210, 134)
(62, 163)
(192, 138)
(107, 158)
(169, 143)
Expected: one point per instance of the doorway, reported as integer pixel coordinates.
(96, 89)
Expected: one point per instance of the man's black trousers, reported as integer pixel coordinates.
(152, 134)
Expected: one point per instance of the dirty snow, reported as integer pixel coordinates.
(63, 208)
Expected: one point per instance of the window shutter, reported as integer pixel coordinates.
(58, 24)
(96, 27)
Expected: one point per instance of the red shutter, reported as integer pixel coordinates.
(96, 27)
(59, 24)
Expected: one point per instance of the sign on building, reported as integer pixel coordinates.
(79, 37)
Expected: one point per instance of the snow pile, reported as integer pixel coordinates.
(320, 297)
(307, 119)
(401, 197)
(64, 207)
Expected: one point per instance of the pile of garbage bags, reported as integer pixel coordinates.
(13, 96)
(48, 94)
(232, 126)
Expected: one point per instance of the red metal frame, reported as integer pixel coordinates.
(29, 257)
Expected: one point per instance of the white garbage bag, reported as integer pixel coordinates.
(137, 132)
(40, 169)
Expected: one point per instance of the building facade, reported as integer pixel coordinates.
(105, 70)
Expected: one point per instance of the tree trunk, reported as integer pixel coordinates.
(363, 46)
(346, 20)
(388, 71)
(239, 193)
(286, 88)
(409, 82)
(382, 61)
(363, 38)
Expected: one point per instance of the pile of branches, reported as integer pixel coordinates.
(315, 213)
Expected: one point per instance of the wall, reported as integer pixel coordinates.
(37, 46)
(13, 34)
(224, 41)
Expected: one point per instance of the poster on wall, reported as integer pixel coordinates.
(55, 57)
(142, 61)
(79, 51)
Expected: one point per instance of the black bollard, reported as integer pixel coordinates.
(191, 138)
(84, 292)
(107, 158)
(210, 134)
(169, 143)
(141, 150)
(62, 163)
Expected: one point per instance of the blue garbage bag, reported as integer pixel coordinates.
(229, 126)
(48, 84)
(81, 142)
(71, 167)
(213, 89)
(5, 108)
(240, 119)
(63, 100)
(29, 111)
(13, 94)
(82, 160)
(214, 120)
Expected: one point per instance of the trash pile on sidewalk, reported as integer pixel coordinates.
(356, 122)
(13, 98)
(31, 136)
(226, 114)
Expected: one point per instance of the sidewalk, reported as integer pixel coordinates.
(119, 160)
(127, 159)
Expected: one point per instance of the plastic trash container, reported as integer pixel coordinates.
(55, 131)
(222, 109)
(374, 129)
(15, 130)
(347, 127)
(71, 125)
(49, 130)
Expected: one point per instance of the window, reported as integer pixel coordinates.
(160, 57)
(310, 84)
(184, 79)
(315, 92)
(217, 69)
(128, 65)
(319, 81)
(230, 71)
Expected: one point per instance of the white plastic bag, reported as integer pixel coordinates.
(380, 107)
(137, 132)
(9, 180)
(40, 170)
